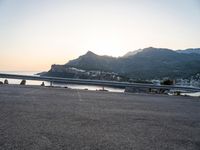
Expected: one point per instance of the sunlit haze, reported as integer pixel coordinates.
(37, 33)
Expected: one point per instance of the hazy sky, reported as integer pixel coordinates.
(37, 33)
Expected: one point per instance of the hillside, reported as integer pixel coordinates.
(148, 63)
(190, 51)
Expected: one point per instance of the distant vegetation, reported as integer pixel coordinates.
(143, 64)
(167, 82)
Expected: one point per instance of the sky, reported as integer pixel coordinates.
(34, 34)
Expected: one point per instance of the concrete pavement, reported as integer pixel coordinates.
(33, 117)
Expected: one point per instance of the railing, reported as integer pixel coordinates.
(98, 82)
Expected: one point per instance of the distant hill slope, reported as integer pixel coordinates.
(151, 63)
(132, 53)
(190, 51)
(148, 63)
(91, 61)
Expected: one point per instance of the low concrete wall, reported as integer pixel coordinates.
(145, 90)
(137, 90)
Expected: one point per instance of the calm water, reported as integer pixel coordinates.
(73, 86)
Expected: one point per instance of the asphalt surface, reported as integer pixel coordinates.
(53, 118)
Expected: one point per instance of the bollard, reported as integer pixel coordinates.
(42, 84)
(5, 81)
(51, 83)
(23, 82)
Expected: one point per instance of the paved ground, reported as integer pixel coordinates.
(51, 118)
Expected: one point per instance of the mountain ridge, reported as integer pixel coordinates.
(147, 63)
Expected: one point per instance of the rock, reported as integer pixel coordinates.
(1, 82)
(42, 84)
(5, 81)
(23, 82)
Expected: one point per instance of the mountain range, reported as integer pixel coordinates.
(142, 64)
